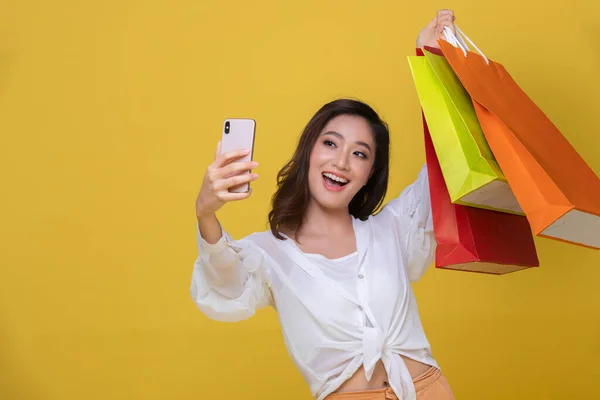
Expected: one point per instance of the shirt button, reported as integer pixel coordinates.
(360, 276)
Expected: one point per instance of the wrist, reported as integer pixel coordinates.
(205, 215)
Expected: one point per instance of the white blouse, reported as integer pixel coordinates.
(343, 270)
(328, 330)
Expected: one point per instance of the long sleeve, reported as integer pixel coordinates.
(412, 217)
(231, 280)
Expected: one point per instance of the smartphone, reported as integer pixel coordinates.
(238, 133)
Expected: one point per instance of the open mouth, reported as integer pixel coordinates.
(334, 181)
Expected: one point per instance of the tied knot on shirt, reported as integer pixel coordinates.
(374, 346)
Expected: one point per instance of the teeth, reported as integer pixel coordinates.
(335, 178)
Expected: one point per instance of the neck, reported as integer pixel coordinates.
(320, 221)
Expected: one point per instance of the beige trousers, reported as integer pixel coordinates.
(431, 385)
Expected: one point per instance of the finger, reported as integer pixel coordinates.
(235, 167)
(218, 150)
(444, 12)
(225, 184)
(228, 157)
(444, 22)
(231, 169)
(229, 196)
(449, 25)
(445, 17)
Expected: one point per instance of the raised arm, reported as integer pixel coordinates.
(230, 279)
(410, 212)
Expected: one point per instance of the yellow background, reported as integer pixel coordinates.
(110, 112)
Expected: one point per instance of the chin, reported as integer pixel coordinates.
(332, 201)
(333, 205)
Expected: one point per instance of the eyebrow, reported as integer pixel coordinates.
(340, 136)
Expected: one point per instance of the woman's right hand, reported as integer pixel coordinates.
(435, 29)
(220, 176)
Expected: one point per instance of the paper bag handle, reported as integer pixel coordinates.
(458, 41)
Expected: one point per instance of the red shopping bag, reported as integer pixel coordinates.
(474, 239)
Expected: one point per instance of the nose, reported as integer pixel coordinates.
(341, 161)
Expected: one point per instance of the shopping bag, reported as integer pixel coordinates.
(558, 191)
(470, 171)
(475, 239)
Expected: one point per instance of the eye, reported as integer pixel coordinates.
(360, 154)
(328, 143)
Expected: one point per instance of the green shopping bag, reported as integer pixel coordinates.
(470, 171)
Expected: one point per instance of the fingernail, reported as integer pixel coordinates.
(254, 164)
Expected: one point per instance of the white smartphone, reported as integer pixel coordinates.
(238, 133)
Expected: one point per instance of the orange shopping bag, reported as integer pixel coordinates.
(558, 191)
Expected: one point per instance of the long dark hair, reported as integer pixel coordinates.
(290, 201)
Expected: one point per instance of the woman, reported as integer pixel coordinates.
(338, 275)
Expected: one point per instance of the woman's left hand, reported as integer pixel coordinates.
(435, 30)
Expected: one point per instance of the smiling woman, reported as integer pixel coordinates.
(344, 137)
(337, 271)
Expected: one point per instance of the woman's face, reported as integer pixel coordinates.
(341, 161)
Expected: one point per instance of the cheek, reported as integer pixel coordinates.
(313, 166)
(316, 160)
(363, 171)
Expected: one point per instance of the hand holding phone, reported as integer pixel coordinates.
(238, 134)
(228, 177)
